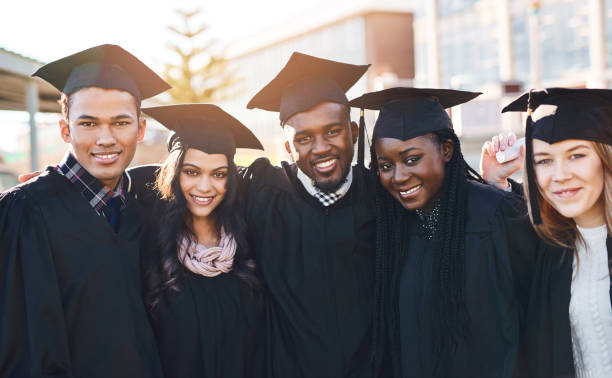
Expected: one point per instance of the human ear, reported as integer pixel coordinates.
(447, 150)
(142, 126)
(64, 131)
(354, 131)
(287, 147)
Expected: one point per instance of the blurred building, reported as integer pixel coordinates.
(21, 92)
(381, 35)
(505, 47)
(498, 47)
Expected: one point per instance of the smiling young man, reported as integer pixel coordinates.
(71, 292)
(312, 226)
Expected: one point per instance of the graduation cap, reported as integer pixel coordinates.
(205, 127)
(406, 113)
(104, 66)
(306, 81)
(558, 114)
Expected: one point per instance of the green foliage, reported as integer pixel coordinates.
(201, 73)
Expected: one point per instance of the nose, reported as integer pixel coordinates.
(106, 138)
(561, 171)
(400, 176)
(203, 184)
(321, 146)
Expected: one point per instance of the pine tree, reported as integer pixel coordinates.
(202, 74)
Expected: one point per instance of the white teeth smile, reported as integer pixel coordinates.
(411, 190)
(202, 200)
(326, 164)
(106, 156)
(567, 193)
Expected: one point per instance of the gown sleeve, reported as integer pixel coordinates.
(252, 179)
(520, 246)
(517, 187)
(142, 180)
(33, 338)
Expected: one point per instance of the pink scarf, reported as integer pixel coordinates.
(208, 262)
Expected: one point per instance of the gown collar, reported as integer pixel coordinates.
(97, 194)
(325, 198)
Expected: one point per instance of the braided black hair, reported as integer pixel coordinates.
(450, 317)
(388, 242)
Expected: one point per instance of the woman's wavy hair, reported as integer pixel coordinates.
(171, 224)
(450, 318)
(559, 230)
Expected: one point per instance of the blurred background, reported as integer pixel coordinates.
(225, 51)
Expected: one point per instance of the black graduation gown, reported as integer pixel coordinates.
(318, 264)
(211, 328)
(70, 291)
(494, 231)
(547, 335)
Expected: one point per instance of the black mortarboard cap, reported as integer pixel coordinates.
(205, 127)
(407, 113)
(558, 114)
(304, 82)
(104, 66)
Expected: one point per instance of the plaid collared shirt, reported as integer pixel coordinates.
(91, 188)
(325, 198)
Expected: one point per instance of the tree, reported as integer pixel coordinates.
(200, 73)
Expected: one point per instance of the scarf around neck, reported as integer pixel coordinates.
(208, 262)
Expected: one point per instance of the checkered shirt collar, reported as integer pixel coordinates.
(91, 188)
(325, 198)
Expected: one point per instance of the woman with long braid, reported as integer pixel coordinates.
(445, 291)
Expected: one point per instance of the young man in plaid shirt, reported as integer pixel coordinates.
(70, 292)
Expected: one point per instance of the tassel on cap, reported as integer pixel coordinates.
(361, 140)
(533, 186)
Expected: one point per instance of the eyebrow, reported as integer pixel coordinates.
(338, 123)
(85, 116)
(409, 149)
(333, 124)
(121, 116)
(89, 117)
(577, 147)
(197, 167)
(569, 150)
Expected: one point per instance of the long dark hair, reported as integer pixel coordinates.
(170, 224)
(450, 318)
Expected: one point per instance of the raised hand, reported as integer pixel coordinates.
(491, 170)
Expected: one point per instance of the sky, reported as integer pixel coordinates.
(47, 30)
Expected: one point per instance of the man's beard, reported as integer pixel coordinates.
(332, 186)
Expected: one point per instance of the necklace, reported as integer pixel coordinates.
(429, 221)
